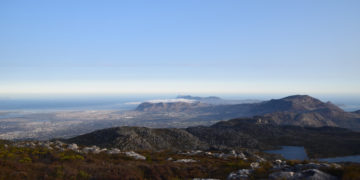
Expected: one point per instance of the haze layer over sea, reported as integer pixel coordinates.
(129, 102)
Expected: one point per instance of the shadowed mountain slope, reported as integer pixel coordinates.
(318, 141)
(140, 138)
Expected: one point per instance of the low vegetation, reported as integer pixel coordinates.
(42, 163)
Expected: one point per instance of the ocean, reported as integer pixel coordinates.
(67, 103)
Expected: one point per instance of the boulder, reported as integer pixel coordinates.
(314, 174)
(240, 174)
(92, 149)
(73, 147)
(309, 174)
(186, 160)
(114, 151)
(255, 165)
(135, 155)
(282, 175)
(241, 156)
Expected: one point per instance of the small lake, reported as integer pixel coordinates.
(299, 153)
(291, 152)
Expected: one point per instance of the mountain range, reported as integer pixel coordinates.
(299, 110)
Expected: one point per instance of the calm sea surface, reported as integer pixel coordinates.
(83, 103)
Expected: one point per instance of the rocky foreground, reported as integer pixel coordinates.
(59, 160)
(258, 133)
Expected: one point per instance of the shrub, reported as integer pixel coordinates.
(238, 164)
(351, 172)
(59, 173)
(83, 175)
(293, 162)
(263, 171)
(71, 157)
(25, 160)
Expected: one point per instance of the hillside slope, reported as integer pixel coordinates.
(140, 138)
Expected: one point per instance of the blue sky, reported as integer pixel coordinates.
(99, 47)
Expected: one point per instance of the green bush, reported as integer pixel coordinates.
(238, 164)
(83, 175)
(71, 157)
(351, 172)
(26, 160)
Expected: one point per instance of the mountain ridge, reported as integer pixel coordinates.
(299, 110)
(140, 138)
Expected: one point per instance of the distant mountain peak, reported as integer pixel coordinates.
(197, 97)
(357, 112)
(305, 103)
(301, 98)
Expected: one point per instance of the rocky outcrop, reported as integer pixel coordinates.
(240, 174)
(310, 174)
(135, 155)
(281, 170)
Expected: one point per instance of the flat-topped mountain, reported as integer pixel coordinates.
(169, 106)
(197, 97)
(217, 100)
